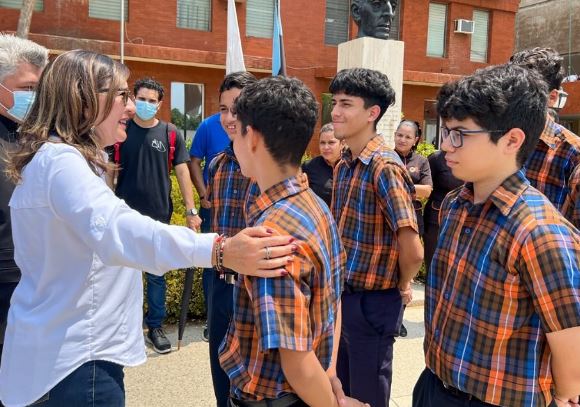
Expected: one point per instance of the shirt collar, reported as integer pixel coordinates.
(505, 196)
(282, 190)
(366, 155)
(552, 133)
(229, 151)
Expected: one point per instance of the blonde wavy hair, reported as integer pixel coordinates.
(67, 105)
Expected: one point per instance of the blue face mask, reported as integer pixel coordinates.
(145, 110)
(23, 99)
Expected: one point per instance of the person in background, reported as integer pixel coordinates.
(21, 63)
(210, 140)
(407, 137)
(443, 183)
(76, 316)
(144, 183)
(319, 169)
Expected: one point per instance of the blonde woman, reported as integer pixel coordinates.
(75, 317)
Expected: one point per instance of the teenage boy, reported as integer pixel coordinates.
(557, 155)
(373, 207)
(144, 183)
(502, 310)
(280, 342)
(227, 191)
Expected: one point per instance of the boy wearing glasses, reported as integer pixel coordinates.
(145, 160)
(502, 309)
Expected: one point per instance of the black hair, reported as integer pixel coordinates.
(370, 85)
(500, 97)
(416, 128)
(149, 83)
(546, 61)
(238, 80)
(284, 111)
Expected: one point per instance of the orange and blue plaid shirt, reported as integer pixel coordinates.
(229, 192)
(571, 207)
(372, 198)
(505, 273)
(551, 165)
(296, 312)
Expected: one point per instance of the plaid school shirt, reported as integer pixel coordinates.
(230, 193)
(505, 273)
(571, 207)
(296, 312)
(551, 165)
(372, 198)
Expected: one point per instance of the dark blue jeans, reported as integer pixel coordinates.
(94, 384)
(220, 312)
(370, 322)
(156, 289)
(206, 278)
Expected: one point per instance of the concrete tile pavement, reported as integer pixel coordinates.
(182, 378)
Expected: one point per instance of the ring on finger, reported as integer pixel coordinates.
(267, 253)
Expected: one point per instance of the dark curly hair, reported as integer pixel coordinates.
(546, 61)
(370, 85)
(238, 80)
(500, 97)
(149, 83)
(284, 111)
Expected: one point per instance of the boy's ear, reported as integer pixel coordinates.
(253, 138)
(513, 141)
(374, 112)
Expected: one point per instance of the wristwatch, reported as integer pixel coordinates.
(191, 212)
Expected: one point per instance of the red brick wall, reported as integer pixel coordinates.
(414, 98)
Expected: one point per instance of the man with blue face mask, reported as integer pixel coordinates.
(21, 63)
(145, 160)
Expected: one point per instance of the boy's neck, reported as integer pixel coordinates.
(360, 141)
(146, 124)
(271, 173)
(482, 189)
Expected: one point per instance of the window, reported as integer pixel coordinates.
(186, 107)
(436, 30)
(108, 9)
(194, 14)
(336, 22)
(431, 127)
(260, 18)
(38, 4)
(479, 37)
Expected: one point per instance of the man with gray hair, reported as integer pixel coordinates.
(21, 63)
(373, 17)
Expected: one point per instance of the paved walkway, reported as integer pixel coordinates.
(182, 378)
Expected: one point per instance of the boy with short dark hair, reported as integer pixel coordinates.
(373, 206)
(280, 342)
(502, 310)
(228, 191)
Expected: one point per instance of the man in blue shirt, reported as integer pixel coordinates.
(210, 140)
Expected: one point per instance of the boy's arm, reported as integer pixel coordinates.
(565, 349)
(395, 196)
(307, 378)
(182, 175)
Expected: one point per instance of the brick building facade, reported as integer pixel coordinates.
(156, 44)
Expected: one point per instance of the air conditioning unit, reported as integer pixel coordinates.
(464, 26)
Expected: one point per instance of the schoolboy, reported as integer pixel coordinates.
(280, 341)
(373, 207)
(502, 310)
(227, 191)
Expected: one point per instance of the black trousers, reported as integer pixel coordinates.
(429, 392)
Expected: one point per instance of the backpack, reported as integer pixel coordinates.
(171, 137)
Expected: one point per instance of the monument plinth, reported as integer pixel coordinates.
(385, 56)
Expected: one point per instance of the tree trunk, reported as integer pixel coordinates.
(25, 18)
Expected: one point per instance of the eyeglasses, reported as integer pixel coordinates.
(456, 135)
(124, 93)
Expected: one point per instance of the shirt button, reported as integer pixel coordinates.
(446, 295)
(235, 191)
(467, 231)
(437, 333)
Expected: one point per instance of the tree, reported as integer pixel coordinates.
(25, 18)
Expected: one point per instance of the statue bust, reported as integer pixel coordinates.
(373, 17)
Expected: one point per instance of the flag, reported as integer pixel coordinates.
(234, 54)
(278, 57)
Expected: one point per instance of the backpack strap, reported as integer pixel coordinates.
(117, 155)
(171, 136)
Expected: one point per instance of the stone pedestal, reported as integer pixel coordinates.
(385, 56)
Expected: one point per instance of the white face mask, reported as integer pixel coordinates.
(23, 99)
